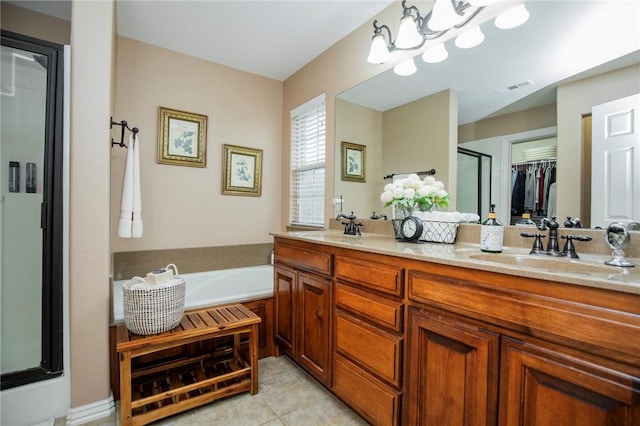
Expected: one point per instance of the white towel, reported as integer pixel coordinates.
(136, 230)
(130, 223)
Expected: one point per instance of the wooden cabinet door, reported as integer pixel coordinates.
(314, 324)
(264, 309)
(285, 308)
(453, 371)
(540, 386)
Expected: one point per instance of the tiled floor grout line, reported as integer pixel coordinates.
(280, 371)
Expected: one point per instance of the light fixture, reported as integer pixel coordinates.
(408, 35)
(512, 18)
(470, 38)
(379, 52)
(443, 16)
(406, 67)
(447, 15)
(436, 54)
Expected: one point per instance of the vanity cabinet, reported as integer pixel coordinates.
(408, 341)
(485, 350)
(302, 312)
(368, 346)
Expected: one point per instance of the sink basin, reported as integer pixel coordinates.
(547, 263)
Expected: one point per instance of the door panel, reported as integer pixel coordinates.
(615, 191)
(453, 371)
(543, 387)
(315, 314)
(285, 324)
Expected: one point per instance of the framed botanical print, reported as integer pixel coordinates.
(353, 162)
(242, 171)
(182, 138)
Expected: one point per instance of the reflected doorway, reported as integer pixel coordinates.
(474, 182)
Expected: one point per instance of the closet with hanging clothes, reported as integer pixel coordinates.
(533, 190)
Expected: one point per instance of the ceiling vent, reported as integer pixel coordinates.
(514, 87)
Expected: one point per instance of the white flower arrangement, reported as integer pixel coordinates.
(412, 192)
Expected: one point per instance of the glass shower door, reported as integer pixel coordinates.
(31, 255)
(22, 137)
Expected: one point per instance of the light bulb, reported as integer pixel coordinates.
(406, 67)
(470, 38)
(408, 35)
(379, 52)
(436, 54)
(443, 16)
(512, 18)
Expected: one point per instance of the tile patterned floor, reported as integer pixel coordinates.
(286, 396)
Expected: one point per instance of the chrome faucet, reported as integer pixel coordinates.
(552, 245)
(351, 227)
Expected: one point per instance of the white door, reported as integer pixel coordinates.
(615, 162)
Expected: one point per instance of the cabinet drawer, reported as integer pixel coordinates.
(312, 260)
(372, 399)
(377, 276)
(378, 351)
(381, 311)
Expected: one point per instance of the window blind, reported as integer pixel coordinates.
(308, 128)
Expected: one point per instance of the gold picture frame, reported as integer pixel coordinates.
(353, 162)
(242, 171)
(182, 138)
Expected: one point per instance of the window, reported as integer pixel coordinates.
(307, 163)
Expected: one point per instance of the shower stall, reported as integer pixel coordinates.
(31, 209)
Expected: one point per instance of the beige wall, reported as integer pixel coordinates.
(183, 206)
(360, 125)
(531, 119)
(33, 24)
(91, 91)
(338, 68)
(574, 100)
(417, 136)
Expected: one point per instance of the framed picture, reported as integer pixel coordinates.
(182, 138)
(242, 171)
(353, 162)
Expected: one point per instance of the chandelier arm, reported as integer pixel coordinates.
(473, 15)
(378, 29)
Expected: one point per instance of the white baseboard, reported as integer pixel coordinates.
(94, 411)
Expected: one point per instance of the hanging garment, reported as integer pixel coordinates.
(529, 196)
(517, 196)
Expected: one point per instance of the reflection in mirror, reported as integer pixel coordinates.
(417, 122)
(474, 181)
(617, 236)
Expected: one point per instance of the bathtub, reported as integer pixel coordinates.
(215, 287)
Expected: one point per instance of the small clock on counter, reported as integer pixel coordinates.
(411, 229)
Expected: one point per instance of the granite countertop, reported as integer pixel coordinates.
(589, 270)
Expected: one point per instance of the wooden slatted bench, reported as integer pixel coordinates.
(185, 379)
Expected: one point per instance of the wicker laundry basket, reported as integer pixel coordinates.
(153, 309)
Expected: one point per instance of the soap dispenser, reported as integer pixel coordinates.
(526, 220)
(491, 233)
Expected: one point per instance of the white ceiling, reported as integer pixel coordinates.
(271, 38)
(562, 39)
(560, 42)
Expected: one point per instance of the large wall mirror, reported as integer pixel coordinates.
(537, 81)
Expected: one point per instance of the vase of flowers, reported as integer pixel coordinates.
(412, 194)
